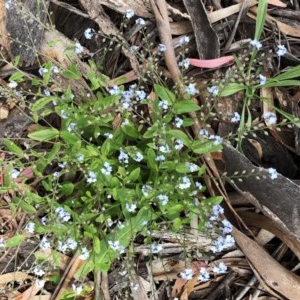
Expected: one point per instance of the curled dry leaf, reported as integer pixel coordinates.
(274, 275)
(211, 63)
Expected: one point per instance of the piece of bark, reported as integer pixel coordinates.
(16, 124)
(278, 198)
(207, 41)
(24, 27)
(272, 155)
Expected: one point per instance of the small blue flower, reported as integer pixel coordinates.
(140, 21)
(140, 95)
(178, 122)
(163, 198)
(270, 118)
(213, 90)
(88, 33)
(92, 177)
(78, 48)
(191, 89)
(178, 145)
(255, 43)
(184, 63)
(123, 157)
(107, 169)
(162, 48)
(129, 13)
(185, 183)
(184, 40)
(262, 79)
(273, 173)
(163, 104)
(130, 207)
(220, 269)
(160, 158)
(281, 50)
(204, 275)
(138, 156)
(235, 118)
(115, 90)
(72, 126)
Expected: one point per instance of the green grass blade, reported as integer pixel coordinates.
(260, 18)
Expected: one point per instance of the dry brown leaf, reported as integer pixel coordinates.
(228, 11)
(283, 27)
(29, 293)
(141, 8)
(14, 276)
(274, 275)
(257, 147)
(262, 221)
(181, 28)
(277, 3)
(3, 112)
(189, 288)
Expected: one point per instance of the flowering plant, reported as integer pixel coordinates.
(121, 162)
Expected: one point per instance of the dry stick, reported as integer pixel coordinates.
(161, 15)
(232, 35)
(66, 278)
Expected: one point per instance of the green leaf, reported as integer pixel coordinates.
(164, 94)
(176, 224)
(26, 207)
(276, 83)
(151, 159)
(150, 132)
(97, 245)
(39, 104)
(260, 18)
(131, 130)
(92, 151)
(72, 72)
(167, 165)
(202, 147)
(51, 155)
(185, 106)
(15, 241)
(213, 200)
(33, 197)
(67, 188)
(231, 88)
(123, 235)
(69, 138)
(12, 147)
(134, 175)
(17, 60)
(291, 118)
(184, 168)
(180, 135)
(44, 134)
(18, 76)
